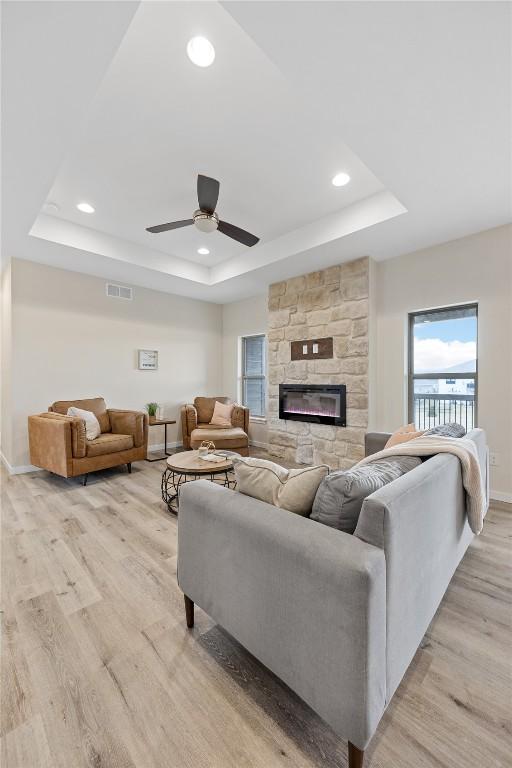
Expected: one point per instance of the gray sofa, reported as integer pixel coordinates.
(337, 617)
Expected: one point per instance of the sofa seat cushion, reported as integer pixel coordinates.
(109, 443)
(340, 497)
(234, 436)
(211, 426)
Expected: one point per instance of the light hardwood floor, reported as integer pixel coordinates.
(99, 670)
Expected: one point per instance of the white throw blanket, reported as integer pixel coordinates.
(465, 450)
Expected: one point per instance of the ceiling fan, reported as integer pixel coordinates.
(205, 218)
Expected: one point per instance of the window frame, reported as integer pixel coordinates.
(244, 377)
(411, 376)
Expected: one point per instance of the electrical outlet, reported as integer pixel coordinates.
(494, 459)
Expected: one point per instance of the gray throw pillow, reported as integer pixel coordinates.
(447, 430)
(340, 495)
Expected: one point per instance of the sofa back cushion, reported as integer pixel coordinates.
(205, 407)
(95, 404)
(341, 494)
(291, 489)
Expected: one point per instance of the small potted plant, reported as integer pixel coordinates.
(152, 409)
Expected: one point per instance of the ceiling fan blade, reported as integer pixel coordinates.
(237, 234)
(207, 193)
(171, 225)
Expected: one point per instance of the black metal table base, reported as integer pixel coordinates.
(166, 453)
(172, 481)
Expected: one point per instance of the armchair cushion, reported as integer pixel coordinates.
(129, 423)
(223, 437)
(109, 443)
(221, 415)
(95, 404)
(92, 425)
(205, 407)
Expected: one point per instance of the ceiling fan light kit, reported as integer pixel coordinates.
(206, 222)
(205, 218)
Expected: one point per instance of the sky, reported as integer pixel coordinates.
(440, 345)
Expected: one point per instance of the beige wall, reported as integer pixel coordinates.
(5, 358)
(476, 268)
(69, 340)
(242, 318)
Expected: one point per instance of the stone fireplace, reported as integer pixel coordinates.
(333, 303)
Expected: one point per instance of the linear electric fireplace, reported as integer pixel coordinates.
(319, 403)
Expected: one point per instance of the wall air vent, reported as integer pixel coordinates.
(119, 291)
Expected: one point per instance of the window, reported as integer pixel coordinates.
(443, 370)
(253, 374)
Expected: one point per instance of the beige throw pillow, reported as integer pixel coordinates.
(291, 489)
(221, 415)
(92, 425)
(403, 435)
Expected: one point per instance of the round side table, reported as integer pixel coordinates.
(183, 467)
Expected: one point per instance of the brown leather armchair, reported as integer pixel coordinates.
(196, 427)
(58, 442)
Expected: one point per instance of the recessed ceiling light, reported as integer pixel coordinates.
(200, 51)
(203, 251)
(85, 208)
(51, 207)
(341, 179)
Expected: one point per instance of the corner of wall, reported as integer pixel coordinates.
(372, 345)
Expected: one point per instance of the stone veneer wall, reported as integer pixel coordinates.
(333, 302)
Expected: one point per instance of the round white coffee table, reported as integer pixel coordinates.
(183, 467)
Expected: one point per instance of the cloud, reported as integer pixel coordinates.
(436, 355)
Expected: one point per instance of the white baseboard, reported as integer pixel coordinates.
(23, 468)
(500, 496)
(19, 470)
(161, 446)
(258, 444)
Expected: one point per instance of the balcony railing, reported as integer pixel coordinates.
(430, 410)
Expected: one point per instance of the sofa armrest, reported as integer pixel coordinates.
(240, 417)
(375, 442)
(133, 423)
(419, 520)
(188, 423)
(307, 600)
(50, 440)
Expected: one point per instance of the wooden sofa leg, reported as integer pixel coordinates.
(189, 611)
(129, 467)
(355, 756)
(84, 478)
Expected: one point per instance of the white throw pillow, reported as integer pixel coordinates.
(291, 489)
(92, 425)
(221, 415)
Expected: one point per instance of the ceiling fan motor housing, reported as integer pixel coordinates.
(206, 222)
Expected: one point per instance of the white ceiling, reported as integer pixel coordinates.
(418, 92)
